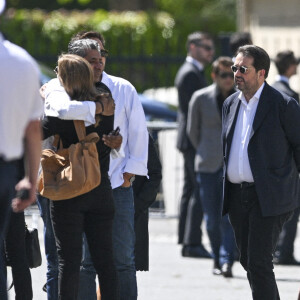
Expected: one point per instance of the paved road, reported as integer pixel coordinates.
(173, 277)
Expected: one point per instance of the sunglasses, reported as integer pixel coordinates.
(104, 52)
(205, 47)
(56, 70)
(242, 69)
(225, 75)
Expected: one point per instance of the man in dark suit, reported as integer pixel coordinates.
(190, 77)
(204, 127)
(286, 64)
(261, 149)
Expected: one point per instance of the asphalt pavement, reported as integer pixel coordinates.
(173, 277)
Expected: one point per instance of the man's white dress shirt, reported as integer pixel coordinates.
(238, 169)
(20, 101)
(129, 116)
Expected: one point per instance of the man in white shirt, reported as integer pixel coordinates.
(130, 118)
(261, 149)
(20, 134)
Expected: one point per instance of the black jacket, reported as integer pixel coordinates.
(145, 191)
(284, 87)
(188, 80)
(273, 150)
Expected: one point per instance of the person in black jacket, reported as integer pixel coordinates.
(145, 191)
(91, 213)
(189, 78)
(286, 64)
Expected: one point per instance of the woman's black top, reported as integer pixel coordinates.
(67, 133)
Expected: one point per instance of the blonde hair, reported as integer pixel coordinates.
(77, 77)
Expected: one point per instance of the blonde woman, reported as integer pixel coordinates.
(91, 213)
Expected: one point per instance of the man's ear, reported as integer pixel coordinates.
(213, 76)
(261, 73)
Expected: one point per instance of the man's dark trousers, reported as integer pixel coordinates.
(190, 207)
(256, 237)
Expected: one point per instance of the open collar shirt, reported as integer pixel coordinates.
(238, 169)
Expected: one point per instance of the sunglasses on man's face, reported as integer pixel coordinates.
(225, 75)
(242, 69)
(205, 47)
(104, 52)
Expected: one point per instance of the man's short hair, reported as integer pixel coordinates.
(261, 59)
(88, 35)
(225, 61)
(81, 47)
(197, 37)
(284, 60)
(239, 39)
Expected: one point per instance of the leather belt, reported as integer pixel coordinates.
(242, 185)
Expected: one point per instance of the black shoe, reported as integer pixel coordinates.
(289, 261)
(216, 269)
(227, 270)
(195, 251)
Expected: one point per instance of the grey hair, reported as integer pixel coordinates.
(81, 47)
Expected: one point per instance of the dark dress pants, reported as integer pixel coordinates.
(16, 254)
(8, 180)
(287, 237)
(94, 217)
(256, 237)
(191, 214)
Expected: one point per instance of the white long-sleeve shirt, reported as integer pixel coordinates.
(129, 116)
(238, 165)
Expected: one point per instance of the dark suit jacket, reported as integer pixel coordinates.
(284, 87)
(273, 150)
(188, 80)
(145, 191)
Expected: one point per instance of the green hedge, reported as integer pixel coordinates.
(145, 47)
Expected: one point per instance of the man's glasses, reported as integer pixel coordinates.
(225, 75)
(242, 69)
(104, 52)
(205, 47)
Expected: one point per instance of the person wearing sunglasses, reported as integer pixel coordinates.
(190, 78)
(204, 127)
(261, 149)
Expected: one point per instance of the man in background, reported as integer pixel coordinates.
(190, 78)
(286, 64)
(20, 134)
(204, 127)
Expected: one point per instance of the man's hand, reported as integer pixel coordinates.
(23, 199)
(127, 177)
(112, 141)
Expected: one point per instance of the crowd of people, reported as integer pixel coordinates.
(240, 142)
